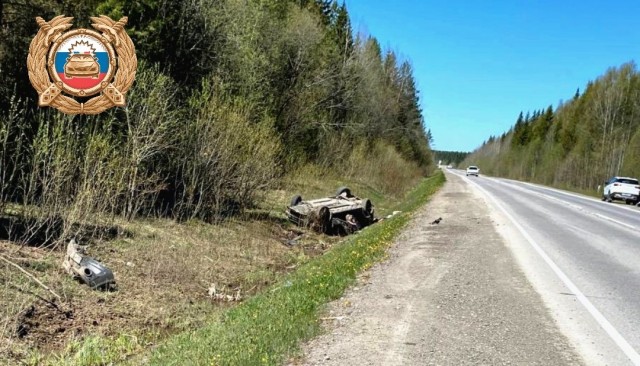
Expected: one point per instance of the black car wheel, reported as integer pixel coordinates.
(367, 212)
(367, 206)
(342, 190)
(324, 219)
(296, 200)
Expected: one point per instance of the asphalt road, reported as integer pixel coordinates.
(582, 256)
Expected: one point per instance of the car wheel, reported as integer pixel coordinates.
(367, 210)
(609, 199)
(296, 200)
(367, 206)
(342, 190)
(324, 219)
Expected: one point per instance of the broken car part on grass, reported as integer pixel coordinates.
(87, 269)
(341, 214)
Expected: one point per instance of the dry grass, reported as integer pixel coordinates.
(164, 270)
(267, 329)
(384, 168)
(17, 291)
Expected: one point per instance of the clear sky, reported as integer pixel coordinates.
(478, 63)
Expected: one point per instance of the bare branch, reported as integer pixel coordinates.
(32, 277)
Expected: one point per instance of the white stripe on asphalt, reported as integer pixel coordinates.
(586, 198)
(617, 338)
(569, 204)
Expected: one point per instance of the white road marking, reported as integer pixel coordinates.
(586, 198)
(615, 336)
(572, 205)
(632, 227)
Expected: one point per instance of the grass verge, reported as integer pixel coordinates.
(164, 269)
(269, 327)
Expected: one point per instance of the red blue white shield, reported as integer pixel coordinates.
(81, 62)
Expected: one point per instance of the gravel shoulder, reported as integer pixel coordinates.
(450, 293)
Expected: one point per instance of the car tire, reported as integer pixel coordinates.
(609, 199)
(295, 200)
(342, 190)
(324, 219)
(367, 206)
(367, 211)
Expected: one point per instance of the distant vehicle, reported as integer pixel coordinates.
(473, 170)
(340, 214)
(623, 189)
(449, 166)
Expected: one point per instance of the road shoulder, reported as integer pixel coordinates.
(451, 293)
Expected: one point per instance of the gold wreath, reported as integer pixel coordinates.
(50, 93)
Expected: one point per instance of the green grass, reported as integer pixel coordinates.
(90, 351)
(269, 327)
(586, 192)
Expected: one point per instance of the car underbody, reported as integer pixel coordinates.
(341, 214)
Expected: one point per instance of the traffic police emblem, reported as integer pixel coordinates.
(82, 71)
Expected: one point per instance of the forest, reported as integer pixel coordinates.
(450, 157)
(230, 96)
(578, 144)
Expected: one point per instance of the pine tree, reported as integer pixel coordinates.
(342, 30)
(542, 124)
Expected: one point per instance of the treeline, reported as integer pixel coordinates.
(450, 157)
(230, 96)
(579, 144)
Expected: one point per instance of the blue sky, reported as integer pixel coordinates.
(478, 63)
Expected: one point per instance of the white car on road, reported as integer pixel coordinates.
(621, 188)
(473, 170)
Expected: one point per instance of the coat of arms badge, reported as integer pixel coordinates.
(82, 63)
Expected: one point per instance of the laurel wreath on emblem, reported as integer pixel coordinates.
(50, 93)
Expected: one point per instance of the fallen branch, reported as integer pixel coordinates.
(32, 277)
(51, 303)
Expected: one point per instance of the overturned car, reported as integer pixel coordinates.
(341, 214)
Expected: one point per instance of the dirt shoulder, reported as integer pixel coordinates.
(451, 293)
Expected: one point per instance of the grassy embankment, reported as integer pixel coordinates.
(164, 270)
(269, 326)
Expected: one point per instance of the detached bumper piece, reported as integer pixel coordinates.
(95, 274)
(87, 269)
